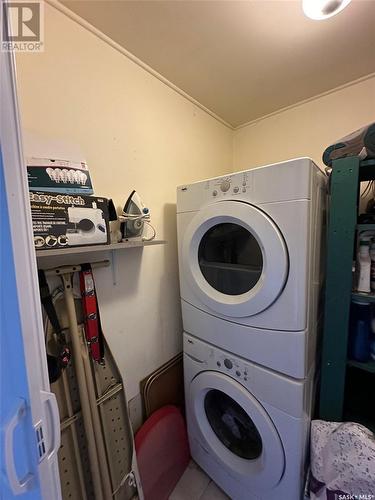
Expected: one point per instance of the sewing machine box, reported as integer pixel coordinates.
(58, 176)
(66, 220)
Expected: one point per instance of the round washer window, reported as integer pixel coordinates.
(230, 258)
(232, 425)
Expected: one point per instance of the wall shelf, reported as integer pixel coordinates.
(97, 248)
(367, 367)
(363, 297)
(48, 259)
(366, 169)
(365, 227)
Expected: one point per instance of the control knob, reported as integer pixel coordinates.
(228, 363)
(224, 186)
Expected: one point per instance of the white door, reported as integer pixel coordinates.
(236, 429)
(234, 258)
(29, 419)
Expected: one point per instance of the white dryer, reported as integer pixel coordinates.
(250, 253)
(248, 426)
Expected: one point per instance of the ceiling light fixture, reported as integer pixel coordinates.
(323, 9)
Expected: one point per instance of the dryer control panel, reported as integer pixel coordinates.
(230, 185)
(285, 181)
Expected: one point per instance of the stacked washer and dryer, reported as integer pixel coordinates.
(250, 260)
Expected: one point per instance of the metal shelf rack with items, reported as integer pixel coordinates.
(344, 382)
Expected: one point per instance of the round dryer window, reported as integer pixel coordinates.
(234, 427)
(230, 258)
(234, 258)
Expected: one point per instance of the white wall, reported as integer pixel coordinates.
(307, 129)
(135, 133)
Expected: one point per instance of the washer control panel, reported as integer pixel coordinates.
(232, 366)
(213, 358)
(291, 397)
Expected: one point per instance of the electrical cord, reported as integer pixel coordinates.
(144, 217)
(58, 361)
(57, 294)
(125, 216)
(129, 477)
(153, 230)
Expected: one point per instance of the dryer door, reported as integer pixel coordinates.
(236, 429)
(235, 258)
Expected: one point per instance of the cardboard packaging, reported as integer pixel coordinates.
(65, 220)
(58, 176)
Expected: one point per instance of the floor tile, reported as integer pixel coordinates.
(192, 484)
(213, 492)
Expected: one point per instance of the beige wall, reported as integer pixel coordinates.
(136, 133)
(307, 129)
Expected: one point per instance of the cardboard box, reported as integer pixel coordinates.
(58, 176)
(65, 220)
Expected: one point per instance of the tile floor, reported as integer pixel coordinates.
(196, 485)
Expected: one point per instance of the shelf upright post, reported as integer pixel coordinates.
(343, 210)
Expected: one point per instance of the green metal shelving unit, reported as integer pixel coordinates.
(345, 181)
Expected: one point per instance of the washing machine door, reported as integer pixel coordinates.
(234, 258)
(236, 429)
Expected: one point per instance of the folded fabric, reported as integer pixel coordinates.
(342, 461)
(359, 143)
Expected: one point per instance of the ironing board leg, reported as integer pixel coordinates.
(85, 402)
(95, 419)
(74, 436)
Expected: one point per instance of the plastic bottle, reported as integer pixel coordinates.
(360, 331)
(364, 264)
(372, 256)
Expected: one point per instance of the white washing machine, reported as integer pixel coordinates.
(250, 254)
(248, 426)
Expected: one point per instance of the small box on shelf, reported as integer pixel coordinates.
(63, 221)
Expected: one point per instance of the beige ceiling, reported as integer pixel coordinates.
(241, 59)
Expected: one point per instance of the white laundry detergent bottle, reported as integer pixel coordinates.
(364, 264)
